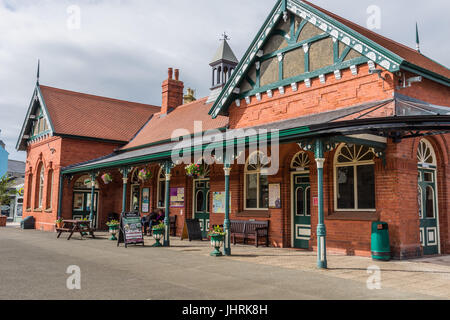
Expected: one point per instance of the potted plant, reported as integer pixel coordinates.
(217, 236)
(144, 175)
(113, 226)
(107, 179)
(59, 223)
(84, 225)
(158, 233)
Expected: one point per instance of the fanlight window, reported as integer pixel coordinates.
(256, 183)
(354, 178)
(425, 154)
(300, 161)
(84, 182)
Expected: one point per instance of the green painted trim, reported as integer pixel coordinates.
(246, 56)
(294, 46)
(425, 73)
(351, 32)
(302, 77)
(344, 53)
(44, 106)
(336, 51)
(300, 28)
(222, 129)
(369, 143)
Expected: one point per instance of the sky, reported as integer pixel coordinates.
(122, 48)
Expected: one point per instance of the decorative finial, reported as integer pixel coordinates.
(417, 38)
(225, 37)
(37, 77)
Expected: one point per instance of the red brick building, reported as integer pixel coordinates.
(363, 128)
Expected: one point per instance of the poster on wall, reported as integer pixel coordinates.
(274, 196)
(219, 202)
(177, 197)
(145, 200)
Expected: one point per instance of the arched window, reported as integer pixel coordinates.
(29, 190)
(354, 178)
(426, 157)
(300, 162)
(41, 186)
(161, 189)
(48, 204)
(256, 183)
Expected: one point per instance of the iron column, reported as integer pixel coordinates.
(321, 230)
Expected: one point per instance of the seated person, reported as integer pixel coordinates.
(145, 220)
(152, 218)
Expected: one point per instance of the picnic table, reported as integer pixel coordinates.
(73, 226)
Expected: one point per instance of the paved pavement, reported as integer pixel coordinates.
(33, 265)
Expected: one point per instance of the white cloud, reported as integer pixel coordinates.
(124, 48)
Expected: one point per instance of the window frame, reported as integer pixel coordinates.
(258, 182)
(354, 164)
(49, 204)
(40, 187)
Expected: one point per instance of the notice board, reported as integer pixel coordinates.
(130, 231)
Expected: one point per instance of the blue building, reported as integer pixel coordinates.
(3, 159)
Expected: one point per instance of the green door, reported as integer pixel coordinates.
(428, 211)
(202, 205)
(302, 210)
(81, 208)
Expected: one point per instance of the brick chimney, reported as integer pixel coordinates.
(172, 92)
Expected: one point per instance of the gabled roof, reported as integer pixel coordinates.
(389, 54)
(408, 54)
(83, 115)
(225, 53)
(161, 128)
(15, 166)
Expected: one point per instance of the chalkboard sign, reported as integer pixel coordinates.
(193, 229)
(130, 231)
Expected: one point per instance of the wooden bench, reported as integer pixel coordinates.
(254, 230)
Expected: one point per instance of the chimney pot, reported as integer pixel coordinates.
(170, 73)
(177, 74)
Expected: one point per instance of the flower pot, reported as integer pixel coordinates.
(217, 243)
(113, 231)
(59, 225)
(158, 234)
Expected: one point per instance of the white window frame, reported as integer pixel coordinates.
(353, 164)
(258, 173)
(41, 187)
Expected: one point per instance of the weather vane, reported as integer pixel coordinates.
(225, 37)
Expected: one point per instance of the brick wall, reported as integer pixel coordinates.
(55, 153)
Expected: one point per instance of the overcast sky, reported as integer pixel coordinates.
(124, 47)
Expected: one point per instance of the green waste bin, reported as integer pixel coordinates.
(381, 248)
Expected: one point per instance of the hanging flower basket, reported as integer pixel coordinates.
(217, 238)
(106, 178)
(144, 175)
(195, 170)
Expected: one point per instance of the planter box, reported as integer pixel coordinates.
(3, 221)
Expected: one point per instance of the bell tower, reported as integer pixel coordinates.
(223, 65)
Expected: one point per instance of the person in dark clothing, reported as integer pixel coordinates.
(152, 221)
(145, 220)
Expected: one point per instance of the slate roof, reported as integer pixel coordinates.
(224, 53)
(182, 117)
(85, 115)
(15, 166)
